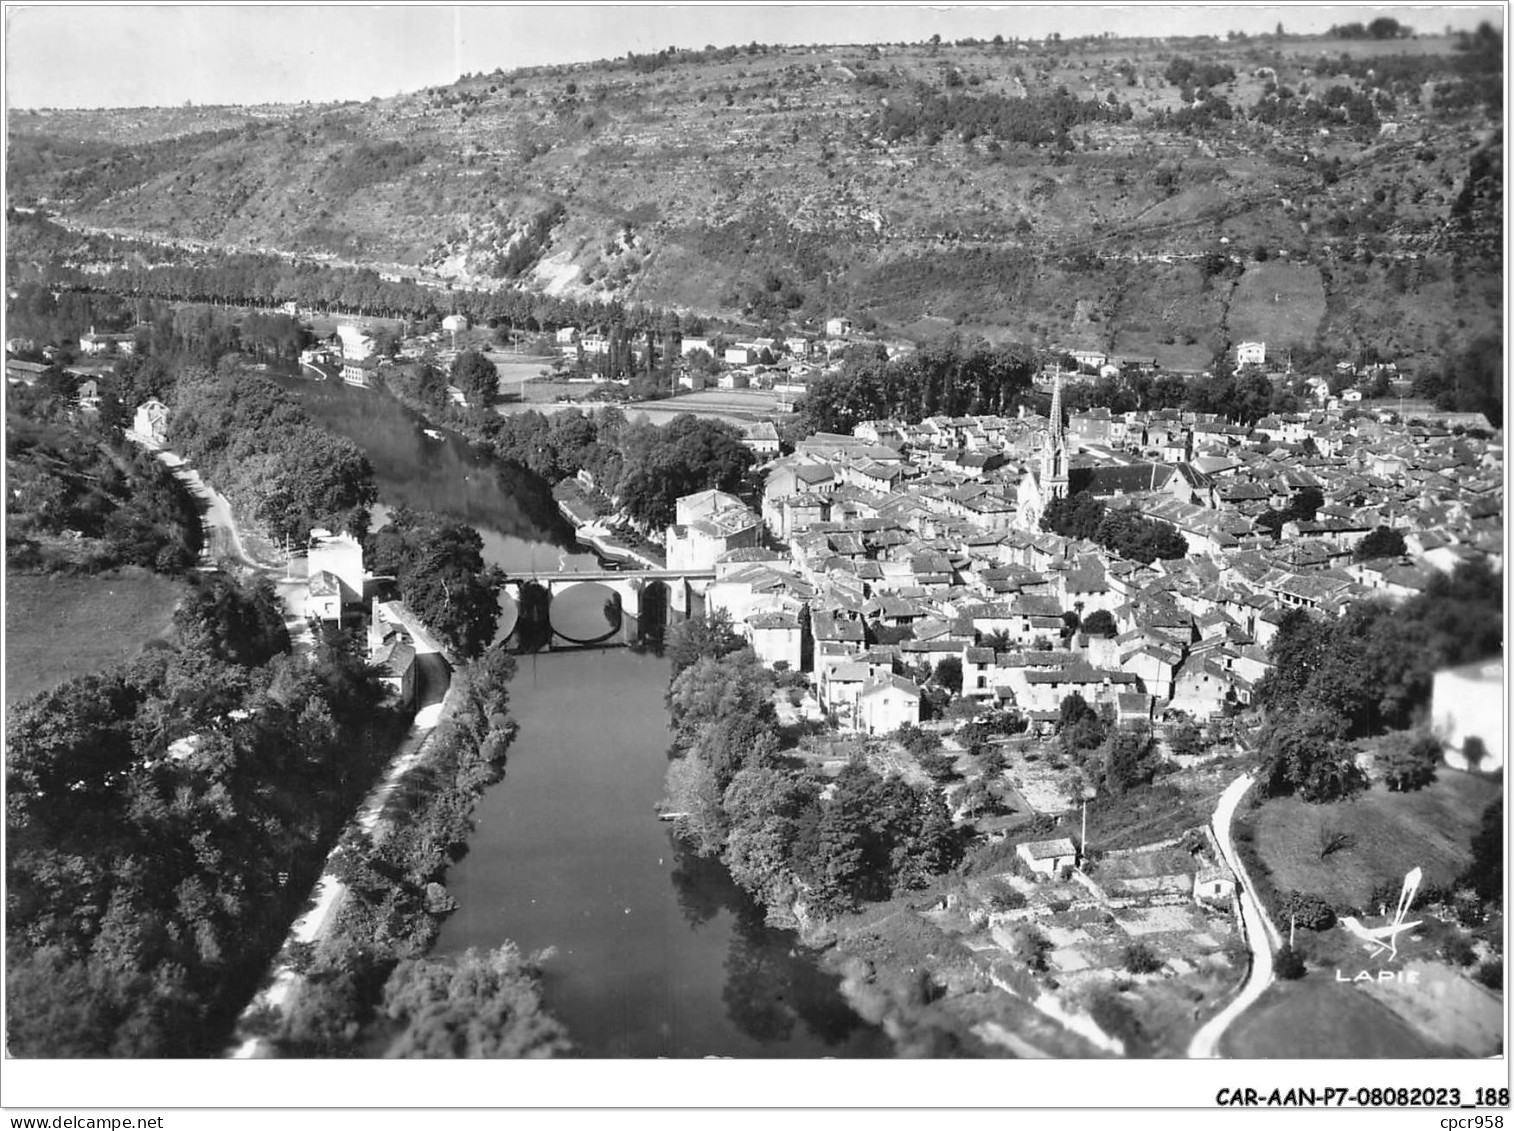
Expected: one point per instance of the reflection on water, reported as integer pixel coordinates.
(769, 989)
(512, 509)
(658, 953)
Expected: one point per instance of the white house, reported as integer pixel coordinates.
(1251, 353)
(340, 556)
(838, 327)
(1048, 857)
(886, 703)
(97, 345)
(357, 343)
(1214, 884)
(323, 596)
(777, 638)
(151, 421)
(454, 323)
(1466, 703)
(689, 345)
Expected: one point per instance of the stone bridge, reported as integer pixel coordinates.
(635, 602)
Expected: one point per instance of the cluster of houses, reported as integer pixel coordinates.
(905, 544)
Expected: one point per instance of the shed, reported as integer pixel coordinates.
(1048, 857)
(1214, 883)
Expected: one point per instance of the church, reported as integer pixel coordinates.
(1040, 486)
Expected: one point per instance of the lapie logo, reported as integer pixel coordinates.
(1384, 940)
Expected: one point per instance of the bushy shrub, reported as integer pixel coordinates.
(1309, 910)
(1288, 963)
(1001, 895)
(1139, 959)
(1459, 951)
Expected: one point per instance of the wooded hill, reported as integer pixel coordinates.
(1075, 193)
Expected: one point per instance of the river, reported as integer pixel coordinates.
(655, 952)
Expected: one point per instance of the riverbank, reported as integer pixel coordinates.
(387, 899)
(284, 980)
(591, 531)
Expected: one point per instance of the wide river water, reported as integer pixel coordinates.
(654, 951)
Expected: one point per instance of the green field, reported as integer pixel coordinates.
(1390, 833)
(57, 628)
(1277, 303)
(1320, 1019)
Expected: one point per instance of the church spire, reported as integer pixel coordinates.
(1056, 401)
(1054, 446)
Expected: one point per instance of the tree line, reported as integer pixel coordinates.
(950, 376)
(244, 279)
(278, 468)
(166, 818)
(740, 799)
(647, 467)
(1034, 119)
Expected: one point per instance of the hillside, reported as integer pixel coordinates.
(1154, 197)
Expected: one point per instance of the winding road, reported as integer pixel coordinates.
(1259, 931)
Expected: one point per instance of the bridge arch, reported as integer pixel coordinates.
(635, 607)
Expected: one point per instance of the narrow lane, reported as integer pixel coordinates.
(1260, 933)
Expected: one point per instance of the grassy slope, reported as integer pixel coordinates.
(58, 628)
(1277, 303)
(1431, 828)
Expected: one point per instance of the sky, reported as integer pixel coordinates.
(166, 55)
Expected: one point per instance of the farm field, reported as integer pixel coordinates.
(1389, 833)
(58, 628)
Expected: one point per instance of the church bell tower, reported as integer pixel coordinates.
(1054, 447)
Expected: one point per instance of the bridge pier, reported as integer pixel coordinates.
(637, 602)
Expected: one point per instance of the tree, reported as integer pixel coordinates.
(1382, 542)
(1306, 756)
(1140, 959)
(225, 620)
(1129, 759)
(662, 465)
(1485, 873)
(706, 636)
(1308, 910)
(1100, 622)
(1079, 726)
(440, 569)
(476, 376)
(1408, 760)
(477, 1005)
(1185, 740)
(949, 674)
(1288, 963)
